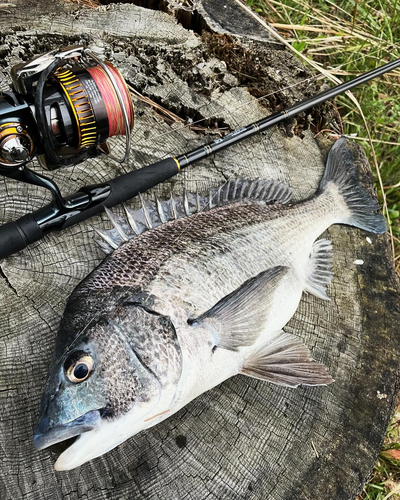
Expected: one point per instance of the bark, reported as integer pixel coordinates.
(245, 438)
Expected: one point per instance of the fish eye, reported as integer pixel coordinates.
(79, 368)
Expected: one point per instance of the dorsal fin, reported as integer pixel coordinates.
(160, 210)
(131, 219)
(146, 215)
(119, 225)
(154, 213)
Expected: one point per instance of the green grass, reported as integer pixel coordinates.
(348, 38)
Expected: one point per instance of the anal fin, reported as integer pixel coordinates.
(285, 360)
(319, 269)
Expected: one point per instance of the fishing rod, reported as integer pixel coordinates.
(64, 106)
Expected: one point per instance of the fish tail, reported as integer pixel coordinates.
(355, 205)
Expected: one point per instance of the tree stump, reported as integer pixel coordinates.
(245, 438)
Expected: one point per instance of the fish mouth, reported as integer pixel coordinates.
(45, 436)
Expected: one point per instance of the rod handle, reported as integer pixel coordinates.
(127, 186)
(139, 181)
(17, 235)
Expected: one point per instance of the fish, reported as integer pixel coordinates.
(193, 291)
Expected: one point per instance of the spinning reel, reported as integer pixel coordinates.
(64, 106)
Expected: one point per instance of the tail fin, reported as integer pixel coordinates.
(361, 208)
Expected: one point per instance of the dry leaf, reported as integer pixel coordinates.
(391, 454)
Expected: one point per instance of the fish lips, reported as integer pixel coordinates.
(45, 436)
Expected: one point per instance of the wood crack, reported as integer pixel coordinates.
(9, 284)
(219, 169)
(3, 275)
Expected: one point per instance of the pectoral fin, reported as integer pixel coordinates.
(285, 361)
(239, 318)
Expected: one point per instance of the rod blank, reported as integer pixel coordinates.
(254, 128)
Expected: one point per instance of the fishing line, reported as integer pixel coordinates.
(110, 98)
(158, 254)
(81, 332)
(90, 200)
(256, 99)
(244, 105)
(315, 77)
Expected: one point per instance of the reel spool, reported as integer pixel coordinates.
(97, 114)
(64, 106)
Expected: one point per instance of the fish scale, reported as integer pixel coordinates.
(195, 291)
(240, 253)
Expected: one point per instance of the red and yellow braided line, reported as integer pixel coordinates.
(115, 117)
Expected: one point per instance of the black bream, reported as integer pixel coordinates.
(185, 305)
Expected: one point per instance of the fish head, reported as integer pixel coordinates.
(101, 386)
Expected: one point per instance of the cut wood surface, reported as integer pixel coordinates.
(245, 438)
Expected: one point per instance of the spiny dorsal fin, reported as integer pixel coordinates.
(186, 203)
(173, 206)
(153, 213)
(106, 236)
(285, 360)
(239, 318)
(146, 215)
(319, 273)
(131, 219)
(160, 210)
(198, 203)
(218, 196)
(104, 247)
(210, 199)
(120, 227)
